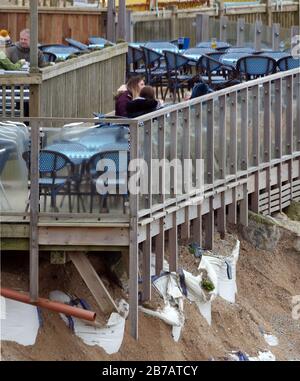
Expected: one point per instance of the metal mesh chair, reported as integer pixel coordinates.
(251, 67)
(134, 62)
(52, 180)
(4, 155)
(288, 63)
(155, 73)
(108, 169)
(215, 73)
(177, 74)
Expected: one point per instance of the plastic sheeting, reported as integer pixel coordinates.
(19, 322)
(14, 140)
(109, 337)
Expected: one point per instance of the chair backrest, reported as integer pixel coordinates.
(256, 66)
(50, 162)
(151, 57)
(113, 161)
(77, 44)
(134, 55)
(175, 61)
(208, 64)
(49, 57)
(288, 63)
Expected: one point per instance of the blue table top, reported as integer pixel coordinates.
(62, 52)
(208, 44)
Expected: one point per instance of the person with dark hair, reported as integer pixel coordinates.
(127, 93)
(143, 104)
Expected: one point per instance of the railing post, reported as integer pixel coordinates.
(223, 28)
(269, 12)
(240, 32)
(257, 37)
(275, 36)
(34, 211)
(129, 27)
(122, 20)
(232, 209)
(202, 27)
(174, 22)
(34, 36)
(147, 246)
(111, 26)
(133, 245)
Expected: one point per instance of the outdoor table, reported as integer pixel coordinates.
(240, 49)
(208, 44)
(196, 53)
(231, 59)
(61, 51)
(160, 46)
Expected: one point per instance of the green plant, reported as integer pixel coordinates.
(207, 285)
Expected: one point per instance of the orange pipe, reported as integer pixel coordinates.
(46, 303)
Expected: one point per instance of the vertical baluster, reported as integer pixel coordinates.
(232, 212)
(278, 134)
(185, 227)
(221, 213)
(256, 146)
(289, 128)
(244, 155)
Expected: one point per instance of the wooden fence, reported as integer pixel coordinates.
(75, 88)
(171, 24)
(56, 24)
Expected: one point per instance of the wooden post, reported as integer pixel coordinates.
(122, 20)
(174, 22)
(202, 27)
(34, 211)
(232, 209)
(133, 246)
(223, 28)
(34, 36)
(129, 27)
(240, 32)
(111, 27)
(275, 36)
(269, 12)
(222, 8)
(257, 37)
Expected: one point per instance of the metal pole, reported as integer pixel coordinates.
(33, 35)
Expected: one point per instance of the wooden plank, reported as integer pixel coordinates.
(34, 210)
(210, 153)
(147, 245)
(222, 136)
(244, 129)
(83, 236)
(297, 81)
(111, 27)
(133, 246)
(34, 36)
(208, 223)
(240, 32)
(233, 134)
(244, 207)
(275, 36)
(173, 234)
(232, 208)
(202, 27)
(255, 145)
(223, 28)
(258, 33)
(187, 170)
(93, 282)
(122, 20)
(221, 217)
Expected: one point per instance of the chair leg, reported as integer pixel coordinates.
(92, 198)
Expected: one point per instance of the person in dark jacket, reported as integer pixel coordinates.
(143, 104)
(127, 93)
(21, 50)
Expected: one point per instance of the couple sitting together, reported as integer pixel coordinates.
(135, 99)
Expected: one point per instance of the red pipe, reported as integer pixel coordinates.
(46, 303)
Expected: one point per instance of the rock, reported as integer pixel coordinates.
(296, 245)
(261, 232)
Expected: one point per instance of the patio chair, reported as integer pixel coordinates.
(114, 173)
(251, 67)
(178, 74)
(53, 181)
(155, 73)
(49, 57)
(288, 63)
(215, 73)
(134, 62)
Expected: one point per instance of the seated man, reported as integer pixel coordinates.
(5, 62)
(22, 49)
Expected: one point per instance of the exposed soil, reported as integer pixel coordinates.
(266, 283)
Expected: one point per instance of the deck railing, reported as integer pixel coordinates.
(246, 141)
